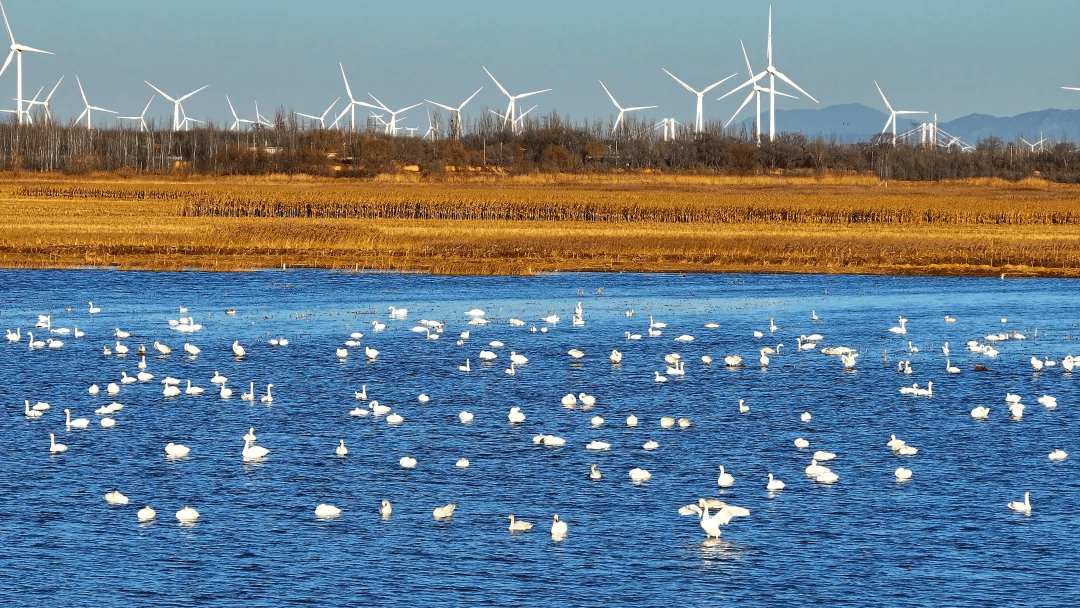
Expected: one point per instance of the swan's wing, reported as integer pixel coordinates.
(722, 516)
(734, 511)
(690, 509)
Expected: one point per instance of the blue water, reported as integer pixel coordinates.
(944, 538)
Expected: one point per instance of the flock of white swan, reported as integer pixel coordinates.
(711, 513)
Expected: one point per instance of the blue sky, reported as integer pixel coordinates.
(953, 57)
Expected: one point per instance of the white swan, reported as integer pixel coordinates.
(597, 421)
(575, 353)
(116, 498)
(187, 515)
(93, 309)
(1058, 455)
(516, 416)
(1016, 410)
(594, 473)
(193, 390)
(161, 348)
(386, 509)
(706, 359)
(1036, 364)
(56, 448)
(1048, 401)
(341, 450)
(510, 371)
(569, 399)
(33, 343)
(250, 395)
(658, 378)
(465, 417)
(980, 412)
(377, 409)
(146, 514)
(30, 413)
(906, 450)
(598, 446)
(774, 484)
(398, 313)
(120, 349)
(191, 349)
(666, 422)
(325, 511)
(902, 329)
(637, 474)
(518, 525)
(362, 393)
(407, 462)
(805, 417)
(170, 390)
(824, 456)
(725, 480)
(801, 443)
(342, 353)
(814, 469)
(394, 418)
(250, 436)
(14, 336)
(107, 423)
(267, 398)
(631, 420)
(254, 452)
(370, 353)
(238, 350)
(630, 336)
(586, 400)
(462, 463)
(444, 512)
(1022, 507)
(902, 474)
(615, 356)
(558, 527)
(650, 445)
(743, 408)
(78, 423)
(176, 450)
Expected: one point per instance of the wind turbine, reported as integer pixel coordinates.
(756, 91)
(176, 104)
(1033, 145)
(894, 114)
(432, 128)
(773, 75)
(17, 48)
(456, 128)
(1066, 88)
(510, 116)
(622, 110)
(29, 105)
(699, 120)
(89, 107)
(518, 122)
(260, 119)
(44, 104)
(141, 117)
(351, 108)
(391, 127)
(236, 119)
(321, 119)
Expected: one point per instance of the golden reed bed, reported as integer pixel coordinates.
(519, 225)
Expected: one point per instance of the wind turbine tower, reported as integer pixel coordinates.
(756, 91)
(773, 75)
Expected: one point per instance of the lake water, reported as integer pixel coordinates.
(945, 537)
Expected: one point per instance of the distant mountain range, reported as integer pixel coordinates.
(855, 122)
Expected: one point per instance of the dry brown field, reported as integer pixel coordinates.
(497, 224)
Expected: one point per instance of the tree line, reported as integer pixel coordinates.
(542, 144)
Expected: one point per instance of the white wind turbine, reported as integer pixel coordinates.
(141, 117)
(260, 119)
(622, 110)
(511, 117)
(756, 91)
(1037, 144)
(699, 119)
(894, 114)
(29, 106)
(177, 124)
(89, 107)
(321, 119)
(773, 75)
(351, 108)
(518, 123)
(17, 49)
(45, 104)
(456, 128)
(391, 127)
(237, 121)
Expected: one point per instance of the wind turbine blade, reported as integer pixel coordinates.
(887, 123)
(634, 109)
(611, 96)
(770, 35)
(382, 106)
(147, 106)
(156, 89)
(615, 126)
(883, 96)
(766, 90)
(716, 84)
(12, 54)
(470, 98)
(81, 92)
(746, 101)
(911, 112)
(497, 83)
(347, 89)
(408, 108)
(686, 86)
(797, 87)
(83, 114)
(747, 58)
(435, 103)
(329, 108)
(33, 50)
(528, 94)
(53, 89)
(103, 110)
(741, 86)
(1066, 88)
(191, 93)
(10, 35)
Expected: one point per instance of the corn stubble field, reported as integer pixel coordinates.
(487, 224)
